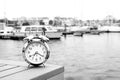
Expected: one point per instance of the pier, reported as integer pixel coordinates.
(17, 70)
(12, 37)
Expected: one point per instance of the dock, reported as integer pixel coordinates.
(20, 37)
(17, 70)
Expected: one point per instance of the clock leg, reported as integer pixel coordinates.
(43, 65)
(29, 65)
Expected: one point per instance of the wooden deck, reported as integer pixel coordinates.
(14, 70)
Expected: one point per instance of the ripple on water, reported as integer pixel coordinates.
(91, 57)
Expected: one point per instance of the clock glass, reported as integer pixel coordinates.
(35, 53)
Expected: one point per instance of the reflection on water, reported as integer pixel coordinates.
(91, 57)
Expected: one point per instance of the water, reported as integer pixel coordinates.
(91, 57)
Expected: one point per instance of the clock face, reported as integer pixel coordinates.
(35, 53)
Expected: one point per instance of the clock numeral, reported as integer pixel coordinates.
(43, 48)
(32, 45)
(30, 48)
(28, 52)
(36, 59)
(40, 58)
(32, 58)
(30, 55)
(36, 44)
(40, 45)
(44, 52)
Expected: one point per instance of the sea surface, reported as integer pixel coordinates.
(91, 57)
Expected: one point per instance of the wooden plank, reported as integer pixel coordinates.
(36, 73)
(10, 62)
(7, 67)
(12, 71)
(1, 65)
(22, 72)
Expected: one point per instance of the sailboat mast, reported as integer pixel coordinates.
(5, 19)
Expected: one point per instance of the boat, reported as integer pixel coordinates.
(5, 31)
(50, 32)
(84, 29)
(78, 33)
(108, 29)
(64, 30)
(95, 32)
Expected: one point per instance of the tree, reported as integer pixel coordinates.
(50, 22)
(25, 23)
(41, 22)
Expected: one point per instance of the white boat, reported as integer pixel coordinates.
(109, 28)
(38, 29)
(83, 29)
(5, 31)
(78, 33)
(64, 30)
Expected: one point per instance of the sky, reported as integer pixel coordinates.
(81, 9)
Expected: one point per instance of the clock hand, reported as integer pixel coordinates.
(41, 55)
(38, 54)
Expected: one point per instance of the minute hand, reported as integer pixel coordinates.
(40, 55)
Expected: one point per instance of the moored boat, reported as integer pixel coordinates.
(50, 32)
(78, 33)
(5, 31)
(95, 32)
(109, 29)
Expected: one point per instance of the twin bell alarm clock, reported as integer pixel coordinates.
(36, 50)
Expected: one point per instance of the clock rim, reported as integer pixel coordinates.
(46, 57)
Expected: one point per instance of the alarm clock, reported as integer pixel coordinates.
(36, 50)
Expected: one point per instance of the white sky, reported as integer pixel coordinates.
(82, 9)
